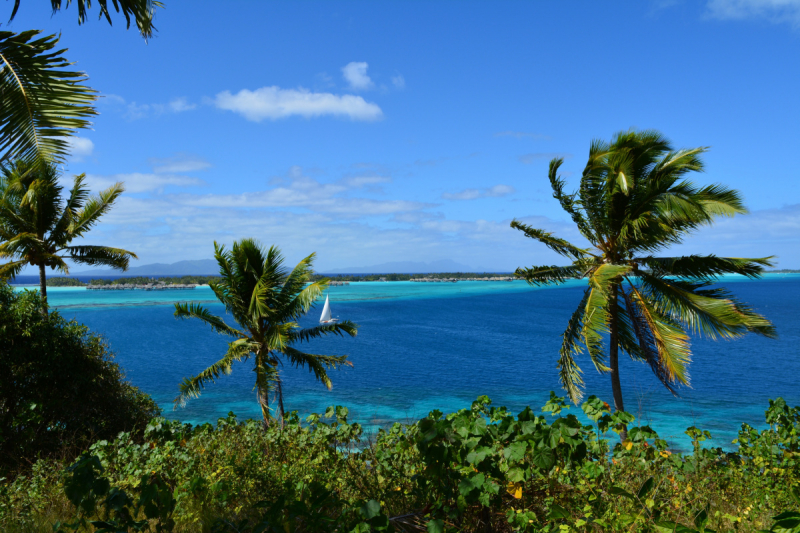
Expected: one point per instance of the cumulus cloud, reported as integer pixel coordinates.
(527, 159)
(274, 103)
(776, 11)
(182, 162)
(355, 73)
(473, 194)
(80, 147)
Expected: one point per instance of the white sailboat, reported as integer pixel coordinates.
(326, 313)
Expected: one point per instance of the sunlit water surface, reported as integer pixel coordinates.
(425, 346)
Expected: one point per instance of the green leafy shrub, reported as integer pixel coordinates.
(59, 387)
(479, 469)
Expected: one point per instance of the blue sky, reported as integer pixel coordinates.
(384, 131)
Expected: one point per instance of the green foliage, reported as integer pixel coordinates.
(479, 469)
(61, 281)
(42, 103)
(38, 222)
(633, 201)
(59, 387)
(141, 11)
(266, 300)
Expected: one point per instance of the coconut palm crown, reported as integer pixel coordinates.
(266, 300)
(38, 223)
(634, 201)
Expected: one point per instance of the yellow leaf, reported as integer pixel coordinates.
(515, 489)
(627, 445)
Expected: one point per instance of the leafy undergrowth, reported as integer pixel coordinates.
(480, 469)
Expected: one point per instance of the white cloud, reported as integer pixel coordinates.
(137, 182)
(274, 103)
(355, 73)
(776, 11)
(179, 163)
(473, 194)
(179, 105)
(135, 111)
(80, 147)
(399, 81)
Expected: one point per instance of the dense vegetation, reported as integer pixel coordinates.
(480, 469)
(63, 281)
(59, 387)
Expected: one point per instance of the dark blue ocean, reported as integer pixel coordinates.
(439, 346)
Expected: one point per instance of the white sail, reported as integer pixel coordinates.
(326, 311)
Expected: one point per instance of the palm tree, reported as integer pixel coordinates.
(42, 101)
(266, 301)
(37, 225)
(633, 202)
(142, 11)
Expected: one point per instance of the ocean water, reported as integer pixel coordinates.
(425, 346)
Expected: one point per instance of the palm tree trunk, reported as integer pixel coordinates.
(43, 289)
(263, 393)
(279, 390)
(613, 357)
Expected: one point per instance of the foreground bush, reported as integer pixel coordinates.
(59, 387)
(480, 469)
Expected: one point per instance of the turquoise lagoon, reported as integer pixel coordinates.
(425, 346)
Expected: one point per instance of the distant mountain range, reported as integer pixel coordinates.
(209, 267)
(198, 267)
(407, 267)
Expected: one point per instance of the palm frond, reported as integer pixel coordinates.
(569, 372)
(100, 256)
(670, 342)
(41, 102)
(346, 327)
(192, 387)
(551, 275)
(77, 197)
(194, 310)
(317, 364)
(560, 246)
(11, 269)
(94, 208)
(705, 267)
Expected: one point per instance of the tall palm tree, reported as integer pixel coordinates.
(633, 201)
(266, 300)
(38, 225)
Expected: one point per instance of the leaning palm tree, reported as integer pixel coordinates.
(38, 225)
(633, 201)
(266, 300)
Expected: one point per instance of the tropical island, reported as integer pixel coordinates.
(82, 449)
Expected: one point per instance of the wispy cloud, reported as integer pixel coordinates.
(473, 194)
(274, 103)
(135, 111)
(80, 147)
(182, 162)
(530, 158)
(138, 182)
(776, 11)
(355, 73)
(523, 135)
(399, 81)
